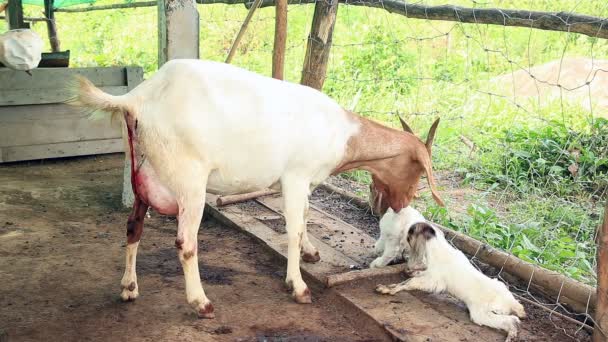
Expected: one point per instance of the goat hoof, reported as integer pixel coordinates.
(129, 292)
(311, 258)
(206, 311)
(289, 285)
(303, 298)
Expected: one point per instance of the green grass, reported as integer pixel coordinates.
(525, 200)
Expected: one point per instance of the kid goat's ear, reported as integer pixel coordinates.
(428, 231)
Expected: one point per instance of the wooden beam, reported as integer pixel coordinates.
(49, 13)
(178, 30)
(552, 21)
(600, 333)
(108, 7)
(280, 39)
(14, 15)
(231, 199)
(319, 44)
(560, 21)
(347, 277)
(239, 36)
(2, 17)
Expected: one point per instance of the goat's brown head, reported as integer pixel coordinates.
(396, 184)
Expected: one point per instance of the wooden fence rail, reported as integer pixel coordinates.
(553, 21)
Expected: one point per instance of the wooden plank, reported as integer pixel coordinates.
(336, 233)
(43, 78)
(600, 332)
(417, 316)
(319, 44)
(51, 123)
(68, 149)
(135, 76)
(178, 30)
(331, 262)
(34, 96)
(347, 277)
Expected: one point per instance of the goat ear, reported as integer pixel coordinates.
(426, 163)
(431, 136)
(405, 126)
(375, 200)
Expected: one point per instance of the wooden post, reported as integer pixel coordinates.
(49, 13)
(178, 30)
(14, 15)
(280, 39)
(600, 332)
(319, 43)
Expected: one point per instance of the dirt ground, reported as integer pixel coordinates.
(62, 233)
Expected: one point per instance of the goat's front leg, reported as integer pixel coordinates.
(135, 227)
(390, 251)
(309, 252)
(508, 323)
(295, 194)
(191, 207)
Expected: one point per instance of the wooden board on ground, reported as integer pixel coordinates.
(334, 232)
(36, 123)
(408, 316)
(413, 316)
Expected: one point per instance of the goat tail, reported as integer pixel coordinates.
(87, 95)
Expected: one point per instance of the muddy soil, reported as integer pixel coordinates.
(62, 235)
(540, 323)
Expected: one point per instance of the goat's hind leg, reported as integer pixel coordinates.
(310, 253)
(135, 227)
(506, 323)
(191, 207)
(295, 194)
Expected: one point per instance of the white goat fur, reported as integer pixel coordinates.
(201, 126)
(489, 301)
(393, 235)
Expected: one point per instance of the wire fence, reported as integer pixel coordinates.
(521, 153)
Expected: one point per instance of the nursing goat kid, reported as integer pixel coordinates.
(200, 126)
(436, 266)
(393, 233)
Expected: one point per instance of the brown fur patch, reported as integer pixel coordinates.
(131, 286)
(396, 160)
(179, 242)
(188, 255)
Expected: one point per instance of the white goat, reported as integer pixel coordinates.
(199, 126)
(445, 268)
(393, 234)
